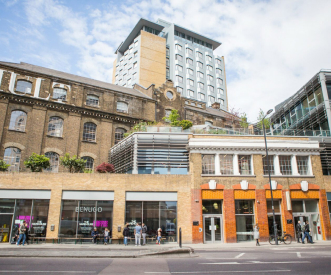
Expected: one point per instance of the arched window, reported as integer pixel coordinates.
(60, 93)
(54, 161)
(122, 107)
(119, 134)
(92, 100)
(55, 126)
(89, 163)
(24, 86)
(18, 121)
(13, 157)
(89, 132)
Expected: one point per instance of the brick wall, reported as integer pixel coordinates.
(261, 216)
(229, 217)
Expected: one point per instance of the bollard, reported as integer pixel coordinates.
(180, 237)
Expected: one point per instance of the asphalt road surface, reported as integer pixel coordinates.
(308, 259)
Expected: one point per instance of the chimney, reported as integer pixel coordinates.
(216, 105)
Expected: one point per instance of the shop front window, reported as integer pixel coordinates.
(244, 219)
(278, 217)
(39, 218)
(212, 207)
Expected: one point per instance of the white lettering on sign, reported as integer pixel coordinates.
(88, 209)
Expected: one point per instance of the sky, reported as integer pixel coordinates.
(271, 48)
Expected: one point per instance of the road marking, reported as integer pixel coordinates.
(230, 259)
(47, 271)
(238, 256)
(218, 272)
(299, 255)
(258, 262)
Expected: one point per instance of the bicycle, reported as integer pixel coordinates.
(285, 238)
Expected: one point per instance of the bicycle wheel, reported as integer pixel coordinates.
(287, 239)
(272, 240)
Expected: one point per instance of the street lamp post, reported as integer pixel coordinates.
(268, 167)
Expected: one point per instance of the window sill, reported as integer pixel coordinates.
(85, 141)
(18, 131)
(213, 175)
(49, 136)
(289, 176)
(91, 106)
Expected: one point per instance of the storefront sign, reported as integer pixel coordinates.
(88, 209)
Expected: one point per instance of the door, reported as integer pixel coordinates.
(5, 225)
(212, 229)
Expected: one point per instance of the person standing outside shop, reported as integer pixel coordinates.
(299, 231)
(22, 233)
(144, 232)
(126, 234)
(306, 234)
(95, 235)
(256, 231)
(159, 235)
(106, 236)
(137, 234)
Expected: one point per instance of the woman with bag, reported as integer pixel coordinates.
(257, 234)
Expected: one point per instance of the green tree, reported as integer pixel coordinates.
(267, 122)
(74, 164)
(37, 163)
(185, 124)
(3, 165)
(174, 121)
(243, 122)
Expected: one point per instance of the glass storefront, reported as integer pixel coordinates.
(244, 219)
(14, 212)
(155, 214)
(79, 217)
(278, 217)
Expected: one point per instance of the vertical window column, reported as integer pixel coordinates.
(235, 165)
(217, 165)
(294, 164)
(277, 166)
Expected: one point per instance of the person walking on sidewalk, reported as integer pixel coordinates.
(95, 235)
(22, 233)
(126, 234)
(256, 230)
(106, 236)
(144, 232)
(159, 235)
(306, 234)
(299, 231)
(137, 233)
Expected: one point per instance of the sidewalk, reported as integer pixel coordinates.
(131, 251)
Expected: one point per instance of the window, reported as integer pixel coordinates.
(302, 162)
(244, 163)
(209, 68)
(208, 164)
(211, 99)
(13, 157)
(200, 74)
(167, 73)
(219, 81)
(189, 51)
(129, 81)
(18, 121)
(226, 164)
(136, 44)
(210, 77)
(244, 219)
(60, 93)
(167, 114)
(124, 77)
(92, 100)
(209, 123)
(54, 162)
(220, 91)
(201, 85)
(130, 60)
(200, 65)
(129, 71)
(55, 126)
(169, 95)
(122, 107)
(24, 86)
(119, 134)
(167, 52)
(179, 79)
(178, 47)
(180, 89)
(271, 165)
(209, 58)
(190, 82)
(121, 62)
(285, 165)
(179, 68)
(199, 55)
(189, 61)
(219, 71)
(135, 65)
(179, 57)
(89, 132)
(218, 61)
(135, 54)
(189, 71)
(191, 93)
(134, 76)
(221, 101)
(89, 163)
(131, 49)
(202, 96)
(210, 88)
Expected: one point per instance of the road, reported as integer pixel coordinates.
(305, 259)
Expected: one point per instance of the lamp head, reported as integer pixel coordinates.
(269, 112)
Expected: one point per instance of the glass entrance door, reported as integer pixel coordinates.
(5, 225)
(212, 229)
(314, 224)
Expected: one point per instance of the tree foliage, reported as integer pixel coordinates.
(139, 127)
(74, 164)
(105, 168)
(3, 166)
(243, 122)
(37, 163)
(174, 121)
(267, 122)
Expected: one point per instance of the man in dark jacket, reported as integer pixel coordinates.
(298, 229)
(95, 235)
(144, 232)
(306, 234)
(126, 234)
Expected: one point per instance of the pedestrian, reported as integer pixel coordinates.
(137, 234)
(306, 234)
(144, 232)
(159, 236)
(126, 234)
(22, 233)
(299, 231)
(106, 235)
(256, 234)
(95, 235)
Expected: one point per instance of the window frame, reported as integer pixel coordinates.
(55, 129)
(123, 110)
(88, 133)
(89, 101)
(18, 86)
(18, 126)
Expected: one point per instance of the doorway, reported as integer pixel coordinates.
(5, 225)
(314, 224)
(212, 228)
